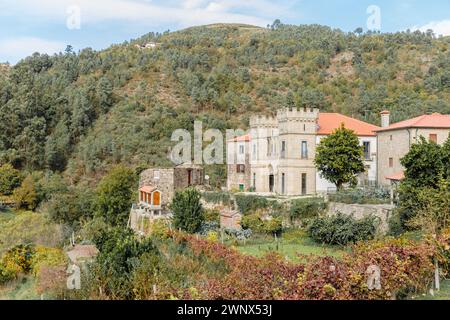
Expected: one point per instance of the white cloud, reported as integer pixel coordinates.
(182, 13)
(439, 27)
(13, 49)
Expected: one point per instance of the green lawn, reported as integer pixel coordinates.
(291, 245)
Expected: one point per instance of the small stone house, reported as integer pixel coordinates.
(157, 187)
(81, 254)
(230, 219)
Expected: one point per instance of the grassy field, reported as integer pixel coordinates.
(290, 245)
(21, 289)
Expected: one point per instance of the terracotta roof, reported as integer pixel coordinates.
(147, 189)
(435, 120)
(397, 177)
(245, 138)
(328, 122)
(82, 252)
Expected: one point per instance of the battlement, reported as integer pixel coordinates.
(263, 121)
(288, 114)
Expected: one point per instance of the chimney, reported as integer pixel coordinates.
(385, 119)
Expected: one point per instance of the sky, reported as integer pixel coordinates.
(48, 26)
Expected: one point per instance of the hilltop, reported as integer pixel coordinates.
(79, 113)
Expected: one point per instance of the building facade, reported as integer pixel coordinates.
(395, 140)
(277, 157)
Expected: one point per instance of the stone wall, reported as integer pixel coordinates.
(359, 211)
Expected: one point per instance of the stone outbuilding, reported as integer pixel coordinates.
(230, 219)
(81, 254)
(157, 187)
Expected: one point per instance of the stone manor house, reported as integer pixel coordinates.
(277, 156)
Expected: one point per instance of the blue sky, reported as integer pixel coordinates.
(48, 26)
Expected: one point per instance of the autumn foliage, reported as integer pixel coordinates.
(405, 267)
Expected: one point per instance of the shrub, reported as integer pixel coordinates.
(247, 204)
(212, 215)
(208, 226)
(395, 227)
(361, 196)
(160, 229)
(73, 206)
(114, 195)
(47, 257)
(212, 236)
(240, 235)
(342, 229)
(10, 179)
(18, 259)
(120, 253)
(257, 224)
(5, 275)
(217, 197)
(187, 210)
(26, 195)
(303, 209)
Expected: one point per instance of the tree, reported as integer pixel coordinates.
(114, 195)
(339, 157)
(187, 210)
(276, 24)
(423, 163)
(9, 179)
(433, 209)
(26, 195)
(358, 31)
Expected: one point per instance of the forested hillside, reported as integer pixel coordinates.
(79, 113)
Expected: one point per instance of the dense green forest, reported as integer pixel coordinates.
(80, 113)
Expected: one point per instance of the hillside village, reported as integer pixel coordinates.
(338, 190)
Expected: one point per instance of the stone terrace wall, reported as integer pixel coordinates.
(359, 211)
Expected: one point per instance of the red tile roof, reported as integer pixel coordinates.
(328, 122)
(245, 138)
(435, 120)
(147, 189)
(397, 177)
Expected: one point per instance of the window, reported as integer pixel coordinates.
(366, 145)
(433, 138)
(283, 149)
(254, 152)
(241, 149)
(269, 147)
(283, 180)
(390, 137)
(254, 181)
(240, 168)
(304, 149)
(156, 174)
(304, 190)
(391, 162)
